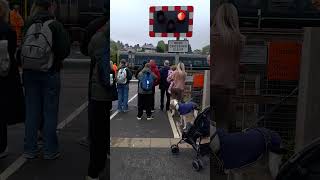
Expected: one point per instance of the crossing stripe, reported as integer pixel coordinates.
(175, 131)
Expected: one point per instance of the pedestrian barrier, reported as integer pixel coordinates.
(198, 80)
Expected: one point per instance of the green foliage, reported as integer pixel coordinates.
(206, 50)
(161, 47)
(113, 51)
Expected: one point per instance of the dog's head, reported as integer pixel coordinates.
(174, 104)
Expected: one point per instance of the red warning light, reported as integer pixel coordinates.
(181, 16)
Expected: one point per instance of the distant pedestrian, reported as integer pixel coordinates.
(164, 85)
(11, 92)
(155, 70)
(115, 67)
(146, 79)
(173, 68)
(102, 91)
(124, 76)
(42, 59)
(227, 43)
(179, 80)
(16, 22)
(140, 68)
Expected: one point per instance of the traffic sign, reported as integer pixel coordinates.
(170, 21)
(178, 46)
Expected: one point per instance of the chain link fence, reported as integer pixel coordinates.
(264, 103)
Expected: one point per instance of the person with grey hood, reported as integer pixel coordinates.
(146, 80)
(102, 91)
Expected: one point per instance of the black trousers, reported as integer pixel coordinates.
(144, 102)
(224, 109)
(99, 133)
(165, 91)
(3, 136)
(153, 98)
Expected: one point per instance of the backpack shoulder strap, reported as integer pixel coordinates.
(46, 23)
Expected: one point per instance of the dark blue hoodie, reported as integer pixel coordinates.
(163, 77)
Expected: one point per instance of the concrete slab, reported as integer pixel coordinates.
(154, 164)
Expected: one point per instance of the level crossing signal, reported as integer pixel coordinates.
(171, 21)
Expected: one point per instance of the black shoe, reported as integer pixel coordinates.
(161, 108)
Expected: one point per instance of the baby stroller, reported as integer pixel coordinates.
(305, 164)
(193, 135)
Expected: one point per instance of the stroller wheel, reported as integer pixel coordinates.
(174, 149)
(197, 165)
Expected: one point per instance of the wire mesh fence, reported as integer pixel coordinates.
(269, 104)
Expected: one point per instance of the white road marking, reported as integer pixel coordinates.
(73, 115)
(115, 113)
(134, 80)
(21, 160)
(176, 133)
(12, 168)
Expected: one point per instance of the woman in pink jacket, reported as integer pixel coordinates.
(179, 79)
(227, 43)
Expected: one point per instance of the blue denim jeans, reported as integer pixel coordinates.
(42, 91)
(123, 93)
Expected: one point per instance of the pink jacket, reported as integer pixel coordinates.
(179, 79)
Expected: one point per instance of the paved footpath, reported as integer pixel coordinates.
(140, 149)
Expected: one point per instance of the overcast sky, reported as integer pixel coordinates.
(130, 21)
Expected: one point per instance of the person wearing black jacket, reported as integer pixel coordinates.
(124, 76)
(11, 92)
(164, 85)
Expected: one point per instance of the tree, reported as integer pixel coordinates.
(197, 51)
(120, 45)
(161, 47)
(113, 51)
(206, 50)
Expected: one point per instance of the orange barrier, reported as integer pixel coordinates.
(198, 80)
(284, 60)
